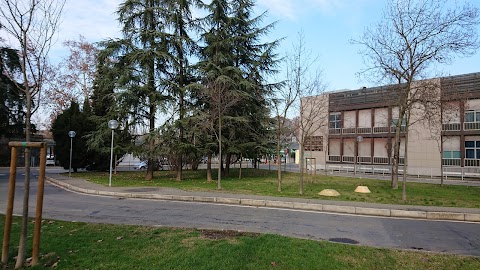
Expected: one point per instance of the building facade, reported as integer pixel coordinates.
(361, 128)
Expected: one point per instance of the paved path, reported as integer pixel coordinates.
(219, 210)
(361, 208)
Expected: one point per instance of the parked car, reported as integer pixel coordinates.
(140, 166)
(50, 162)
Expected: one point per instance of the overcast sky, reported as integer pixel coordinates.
(328, 25)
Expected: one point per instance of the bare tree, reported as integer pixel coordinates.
(413, 36)
(285, 98)
(423, 103)
(72, 78)
(220, 98)
(304, 79)
(447, 114)
(31, 26)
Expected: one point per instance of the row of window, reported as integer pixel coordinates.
(472, 151)
(335, 119)
(472, 116)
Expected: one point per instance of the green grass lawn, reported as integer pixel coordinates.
(67, 245)
(264, 182)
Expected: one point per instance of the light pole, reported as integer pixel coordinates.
(71, 134)
(112, 124)
(358, 140)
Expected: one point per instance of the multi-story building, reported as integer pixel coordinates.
(361, 129)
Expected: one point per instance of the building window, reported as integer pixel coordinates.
(395, 122)
(472, 116)
(335, 120)
(451, 154)
(472, 149)
(314, 143)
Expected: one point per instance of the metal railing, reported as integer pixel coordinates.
(452, 161)
(448, 171)
(402, 129)
(334, 158)
(364, 130)
(451, 127)
(364, 159)
(471, 126)
(335, 131)
(381, 160)
(349, 159)
(350, 130)
(461, 172)
(381, 129)
(472, 162)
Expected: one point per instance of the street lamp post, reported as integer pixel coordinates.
(71, 134)
(112, 124)
(358, 140)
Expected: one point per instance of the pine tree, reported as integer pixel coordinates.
(71, 119)
(139, 60)
(179, 24)
(257, 61)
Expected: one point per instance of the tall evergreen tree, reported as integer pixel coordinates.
(218, 71)
(71, 119)
(179, 24)
(12, 103)
(257, 60)
(140, 64)
(233, 50)
(102, 110)
(234, 65)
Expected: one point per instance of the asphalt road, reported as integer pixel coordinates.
(438, 236)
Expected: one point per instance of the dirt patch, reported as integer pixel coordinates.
(213, 234)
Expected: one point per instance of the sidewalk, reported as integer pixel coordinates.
(359, 208)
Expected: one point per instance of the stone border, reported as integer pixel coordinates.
(430, 215)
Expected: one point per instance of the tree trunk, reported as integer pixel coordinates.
(180, 152)
(209, 167)
(151, 144)
(219, 176)
(279, 167)
(195, 164)
(152, 110)
(405, 167)
(396, 157)
(405, 162)
(181, 83)
(240, 169)
(228, 158)
(24, 231)
(301, 164)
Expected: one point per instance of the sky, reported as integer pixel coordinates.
(328, 27)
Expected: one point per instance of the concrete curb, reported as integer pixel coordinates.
(430, 215)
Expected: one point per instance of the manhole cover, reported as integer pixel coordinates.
(343, 240)
(141, 189)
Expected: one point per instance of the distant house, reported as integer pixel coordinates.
(39, 136)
